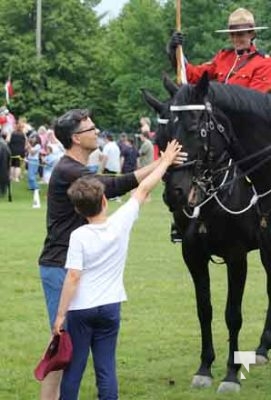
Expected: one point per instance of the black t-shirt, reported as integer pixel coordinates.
(17, 144)
(129, 154)
(61, 216)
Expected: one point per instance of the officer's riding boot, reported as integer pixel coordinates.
(175, 235)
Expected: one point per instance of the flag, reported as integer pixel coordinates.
(8, 90)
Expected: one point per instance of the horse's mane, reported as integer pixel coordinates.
(235, 98)
(232, 98)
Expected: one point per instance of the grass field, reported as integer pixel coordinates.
(159, 340)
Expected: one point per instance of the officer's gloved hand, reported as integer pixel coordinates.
(176, 39)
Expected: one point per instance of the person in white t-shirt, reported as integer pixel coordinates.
(111, 156)
(93, 289)
(94, 161)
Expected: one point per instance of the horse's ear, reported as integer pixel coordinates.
(154, 103)
(169, 85)
(203, 85)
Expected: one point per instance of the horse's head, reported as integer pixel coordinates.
(163, 133)
(205, 134)
(162, 109)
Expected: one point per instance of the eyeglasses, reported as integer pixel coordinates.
(92, 128)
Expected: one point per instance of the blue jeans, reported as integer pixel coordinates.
(52, 279)
(96, 329)
(32, 170)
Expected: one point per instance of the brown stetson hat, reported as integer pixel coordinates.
(241, 20)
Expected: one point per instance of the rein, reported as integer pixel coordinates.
(249, 158)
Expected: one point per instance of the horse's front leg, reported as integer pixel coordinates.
(198, 266)
(265, 342)
(236, 272)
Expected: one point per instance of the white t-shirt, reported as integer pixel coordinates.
(112, 151)
(94, 157)
(100, 251)
(35, 151)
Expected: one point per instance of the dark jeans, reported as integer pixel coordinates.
(96, 329)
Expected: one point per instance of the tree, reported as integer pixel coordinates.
(135, 44)
(86, 64)
(65, 75)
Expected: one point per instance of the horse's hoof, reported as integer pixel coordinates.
(228, 387)
(201, 381)
(261, 360)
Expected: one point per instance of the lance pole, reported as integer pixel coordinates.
(38, 28)
(179, 48)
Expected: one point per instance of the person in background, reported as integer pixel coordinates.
(9, 125)
(49, 161)
(4, 168)
(77, 133)
(122, 140)
(33, 148)
(129, 156)
(93, 289)
(145, 126)
(242, 64)
(43, 135)
(145, 153)
(146, 150)
(94, 163)
(55, 144)
(27, 127)
(111, 156)
(17, 145)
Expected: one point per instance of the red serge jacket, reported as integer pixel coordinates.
(251, 69)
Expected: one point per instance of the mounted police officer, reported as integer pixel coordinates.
(242, 64)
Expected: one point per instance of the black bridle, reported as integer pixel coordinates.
(209, 125)
(206, 167)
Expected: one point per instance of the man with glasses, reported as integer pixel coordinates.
(77, 133)
(242, 64)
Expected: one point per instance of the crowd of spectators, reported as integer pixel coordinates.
(124, 153)
(37, 150)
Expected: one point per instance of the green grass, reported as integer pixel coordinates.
(159, 339)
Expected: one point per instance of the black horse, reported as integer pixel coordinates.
(5, 169)
(213, 206)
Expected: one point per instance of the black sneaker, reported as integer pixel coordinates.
(175, 235)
